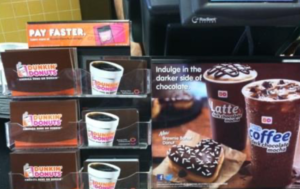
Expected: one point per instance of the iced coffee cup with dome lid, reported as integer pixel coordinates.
(273, 112)
(224, 83)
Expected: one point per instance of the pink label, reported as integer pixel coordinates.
(105, 87)
(101, 137)
(102, 185)
(267, 120)
(119, 33)
(41, 120)
(36, 70)
(42, 171)
(222, 94)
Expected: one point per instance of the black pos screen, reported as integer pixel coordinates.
(240, 12)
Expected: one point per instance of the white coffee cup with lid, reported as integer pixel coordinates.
(103, 175)
(101, 128)
(105, 77)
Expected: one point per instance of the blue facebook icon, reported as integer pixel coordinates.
(160, 177)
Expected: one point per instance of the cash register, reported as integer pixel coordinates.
(215, 27)
(240, 12)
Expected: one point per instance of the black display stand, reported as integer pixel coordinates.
(4, 156)
(141, 103)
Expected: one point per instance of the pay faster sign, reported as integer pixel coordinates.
(76, 34)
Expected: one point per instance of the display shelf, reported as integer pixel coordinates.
(73, 97)
(4, 108)
(78, 83)
(82, 96)
(4, 116)
(19, 137)
(80, 180)
(140, 146)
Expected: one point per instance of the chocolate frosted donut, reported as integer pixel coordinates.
(202, 163)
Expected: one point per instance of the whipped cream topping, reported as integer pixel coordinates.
(273, 90)
(230, 73)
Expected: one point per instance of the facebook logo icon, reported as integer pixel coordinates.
(160, 177)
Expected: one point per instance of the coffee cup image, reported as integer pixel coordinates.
(273, 112)
(103, 175)
(101, 128)
(105, 77)
(26, 120)
(21, 70)
(224, 83)
(27, 171)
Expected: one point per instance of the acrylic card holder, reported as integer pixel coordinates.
(120, 139)
(134, 84)
(19, 137)
(79, 180)
(71, 83)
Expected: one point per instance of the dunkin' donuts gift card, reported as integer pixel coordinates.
(41, 170)
(107, 128)
(116, 76)
(113, 173)
(42, 124)
(40, 72)
(249, 105)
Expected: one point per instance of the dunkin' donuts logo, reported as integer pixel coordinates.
(102, 185)
(42, 172)
(222, 94)
(223, 110)
(36, 70)
(42, 120)
(105, 87)
(266, 120)
(273, 141)
(101, 137)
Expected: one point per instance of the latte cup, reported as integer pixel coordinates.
(103, 175)
(227, 104)
(101, 128)
(105, 77)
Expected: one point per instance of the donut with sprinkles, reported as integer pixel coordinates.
(202, 163)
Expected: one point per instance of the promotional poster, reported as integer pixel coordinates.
(225, 124)
(79, 34)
